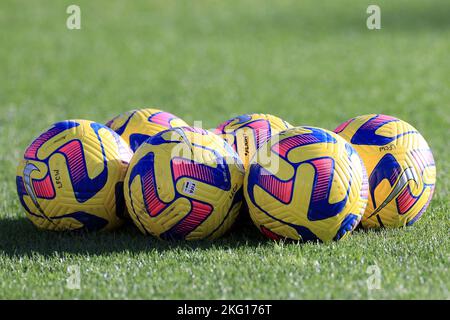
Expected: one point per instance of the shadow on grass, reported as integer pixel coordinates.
(18, 238)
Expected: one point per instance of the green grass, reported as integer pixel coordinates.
(211, 60)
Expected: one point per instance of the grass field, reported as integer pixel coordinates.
(211, 60)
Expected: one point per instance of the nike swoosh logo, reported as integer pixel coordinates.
(29, 168)
(407, 175)
(186, 140)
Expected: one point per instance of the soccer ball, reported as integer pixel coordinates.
(306, 184)
(400, 166)
(184, 183)
(136, 126)
(71, 177)
(248, 132)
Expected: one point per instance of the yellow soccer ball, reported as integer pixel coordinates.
(136, 126)
(184, 184)
(400, 167)
(71, 177)
(246, 133)
(306, 184)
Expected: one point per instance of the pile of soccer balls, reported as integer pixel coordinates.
(178, 182)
